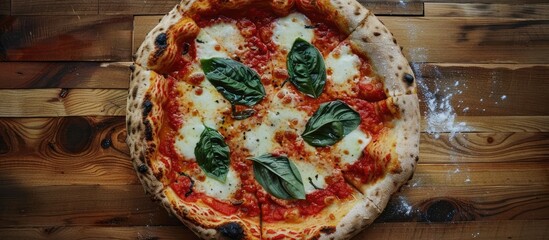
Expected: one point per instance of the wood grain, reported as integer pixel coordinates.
(489, 230)
(471, 40)
(80, 205)
(532, 11)
(465, 203)
(54, 7)
(484, 148)
(65, 38)
(30, 75)
(136, 7)
(402, 8)
(63, 102)
(486, 89)
(494, 124)
(29, 206)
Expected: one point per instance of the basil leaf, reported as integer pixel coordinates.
(306, 68)
(330, 123)
(278, 176)
(212, 154)
(238, 83)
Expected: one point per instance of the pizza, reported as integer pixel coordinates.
(272, 119)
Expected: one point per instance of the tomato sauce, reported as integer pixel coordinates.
(326, 38)
(367, 169)
(315, 202)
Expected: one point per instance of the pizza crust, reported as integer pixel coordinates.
(202, 220)
(372, 40)
(163, 43)
(345, 14)
(402, 143)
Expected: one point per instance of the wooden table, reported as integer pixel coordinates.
(64, 79)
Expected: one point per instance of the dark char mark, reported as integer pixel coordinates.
(232, 230)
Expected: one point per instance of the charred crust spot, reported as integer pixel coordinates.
(161, 42)
(142, 168)
(128, 122)
(394, 41)
(186, 47)
(132, 67)
(408, 78)
(134, 92)
(399, 67)
(147, 107)
(328, 230)
(417, 158)
(377, 34)
(148, 130)
(365, 39)
(232, 230)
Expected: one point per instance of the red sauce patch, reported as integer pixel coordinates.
(367, 169)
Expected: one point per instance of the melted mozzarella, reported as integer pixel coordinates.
(343, 71)
(351, 146)
(217, 189)
(288, 28)
(260, 140)
(207, 47)
(227, 34)
(316, 174)
(344, 65)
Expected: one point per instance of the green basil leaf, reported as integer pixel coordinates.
(330, 123)
(238, 83)
(278, 176)
(306, 68)
(212, 154)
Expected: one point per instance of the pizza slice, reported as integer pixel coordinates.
(389, 159)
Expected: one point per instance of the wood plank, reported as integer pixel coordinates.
(63, 102)
(136, 7)
(494, 124)
(30, 75)
(54, 7)
(66, 38)
(489, 230)
(496, 10)
(471, 40)
(480, 174)
(5, 7)
(394, 7)
(484, 148)
(73, 205)
(505, 229)
(486, 89)
(465, 203)
(80, 205)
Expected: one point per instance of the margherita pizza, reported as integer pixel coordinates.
(272, 119)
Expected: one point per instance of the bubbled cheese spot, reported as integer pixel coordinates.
(288, 28)
(227, 34)
(351, 146)
(219, 190)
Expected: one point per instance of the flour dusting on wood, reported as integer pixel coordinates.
(440, 115)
